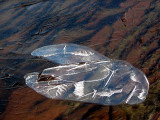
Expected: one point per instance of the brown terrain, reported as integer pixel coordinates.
(126, 30)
